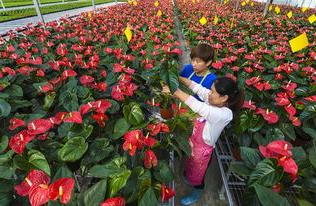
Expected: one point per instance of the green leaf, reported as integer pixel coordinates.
(109, 169)
(120, 128)
(80, 130)
(302, 202)
(49, 100)
(239, 168)
(250, 156)
(118, 182)
(115, 107)
(95, 194)
(162, 172)
(6, 157)
(3, 143)
(299, 154)
(83, 92)
(133, 113)
(14, 91)
(269, 198)
(149, 198)
(6, 172)
(288, 130)
(5, 108)
(312, 156)
(170, 76)
(266, 174)
(62, 172)
(38, 161)
(73, 150)
(311, 132)
(274, 134)
(21, 163)
(5, 199)
(98, 150)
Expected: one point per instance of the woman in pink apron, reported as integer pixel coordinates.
(216, 111)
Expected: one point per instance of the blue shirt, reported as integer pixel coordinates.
(188, 72)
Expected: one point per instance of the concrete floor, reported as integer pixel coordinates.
(213, 184)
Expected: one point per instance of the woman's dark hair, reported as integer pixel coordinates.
(236, 96)
(203, 51)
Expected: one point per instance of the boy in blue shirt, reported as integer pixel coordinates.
(201, 57)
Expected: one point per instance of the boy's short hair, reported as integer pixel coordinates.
(203, 51)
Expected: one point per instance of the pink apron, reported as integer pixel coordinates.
(196, 164)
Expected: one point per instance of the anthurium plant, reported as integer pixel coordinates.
(78, 109)
(279, 87)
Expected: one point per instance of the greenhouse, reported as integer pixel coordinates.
(158, 102)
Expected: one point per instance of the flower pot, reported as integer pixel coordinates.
(166, 113)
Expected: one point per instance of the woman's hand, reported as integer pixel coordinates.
(165, 89)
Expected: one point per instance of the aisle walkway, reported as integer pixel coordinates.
(213, 181)
(42, 5)
(12, 25)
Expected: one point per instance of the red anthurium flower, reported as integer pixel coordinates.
(249, 105)
(217, 65)
(270, 116)
(35, 177)
(153, 103)
(282, 100)
(166, 193)
(277, 188)
(148, 141)
(231, 76)
(290, 109)
(15, 123)
(118, 68)
(133, 141)
(47, 88)
(100, 118)
(117, 93)
(130, 89)
(178, 109)
(40, 73)
(248, 69)
(84, 109)
(253, 80)
(290, 86)
(289, 166)
(86, 79)
(311, 98)
(38, 194)
(61, 188)
(295, 121)
(43, 136)
(102, 105)
(58, 118)
(164, 128)
(39, 126)
(150, 159)
(176, 51)
(250, 57)
(68, 73)
(102, 86)
(154, 129)
(276, 149)
(114, 201)
(74, 117)
(9, 71)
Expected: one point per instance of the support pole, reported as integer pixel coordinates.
(38, 11)
(93, 5)
(2, 4)
(266, 7)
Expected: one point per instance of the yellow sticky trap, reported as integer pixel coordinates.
(215, 21)
(270, 8)
(299, 42)
(247, 1)
(289, 14)
(159, 13)
(226, 1)
(232, 23)
(128, 33)
(252, 4)
(312, 18)
(304, 9)
(156, 3)
(135, 3)
(193, 1)
(243, 3)
(277, 10)
(89, 15)
(203, 21)
(130, 2)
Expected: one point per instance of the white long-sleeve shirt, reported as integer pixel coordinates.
(216, 117)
